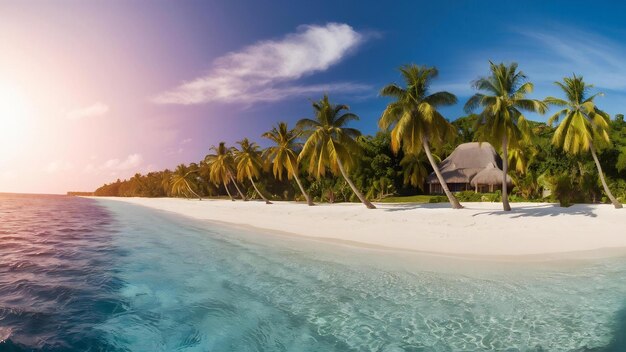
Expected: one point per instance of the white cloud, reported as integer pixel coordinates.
(264, 70)
(90, 169)
(94, 110)
(58, 165)
(132, 161)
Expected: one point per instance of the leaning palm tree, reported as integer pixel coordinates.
(221, 166)
(330, 144)
(417, 125)
(183, 180)
(283, 155)
(249, 164)
(501, 121)
(584, 127)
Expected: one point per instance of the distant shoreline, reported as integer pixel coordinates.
(482, 229)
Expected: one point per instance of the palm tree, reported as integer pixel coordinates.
(417, 125)
(183, 180)
(413, 170)
(221, 165)
(249, 164)
(521, 157)
(330, 144)
(501, 121)
(584, 127)
(166, 178)
(137, 184)
(283, 155)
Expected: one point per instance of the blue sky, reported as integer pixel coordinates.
(155, 83)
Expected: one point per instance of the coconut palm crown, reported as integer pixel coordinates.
(249, 164)
(417, 125)
(221, 167)
(330, 145)
(584, 127)
(503, 99)
(283, 156)
(182, 180)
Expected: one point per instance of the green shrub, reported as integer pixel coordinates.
(469, 196)
(438, 199)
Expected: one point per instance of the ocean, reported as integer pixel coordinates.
(81, 274)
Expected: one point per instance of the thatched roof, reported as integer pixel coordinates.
(490, 176)
(466, 161)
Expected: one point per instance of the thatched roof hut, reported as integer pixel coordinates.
(466, 162)
(490, 176)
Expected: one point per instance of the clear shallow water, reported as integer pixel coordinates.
(79, 274)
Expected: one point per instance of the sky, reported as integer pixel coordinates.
(96, 90)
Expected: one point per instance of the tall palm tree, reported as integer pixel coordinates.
(501, 121)
(330, 144)
(183, 180)
(283, 155)
(221, 166)
(417, 125)
(584, 127)
(249, 164)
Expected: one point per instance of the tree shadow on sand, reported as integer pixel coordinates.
(411, 206)
(518, 211)
(543, 210)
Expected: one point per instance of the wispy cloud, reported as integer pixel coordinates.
(96, 109)
(132, 161)
(266, 70)
(565, 51)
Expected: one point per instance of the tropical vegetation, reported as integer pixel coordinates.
(326, 159)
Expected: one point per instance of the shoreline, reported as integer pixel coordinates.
(531, 232)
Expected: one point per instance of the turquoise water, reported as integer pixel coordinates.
(174, 284)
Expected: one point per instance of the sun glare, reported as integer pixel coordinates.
(14, 115)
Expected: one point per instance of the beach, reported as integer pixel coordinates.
(481, 229)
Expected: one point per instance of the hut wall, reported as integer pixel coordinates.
(435, 188)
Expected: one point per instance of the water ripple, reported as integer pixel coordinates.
(55, 286)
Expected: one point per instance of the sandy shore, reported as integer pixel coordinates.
(479, 229)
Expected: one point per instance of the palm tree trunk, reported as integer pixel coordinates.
(616, 204)
(451, 198)
(356, 191)
(191, 190)
(505, 169)
(237, 187)
(259, 192)
(309, 201)
(227, 191)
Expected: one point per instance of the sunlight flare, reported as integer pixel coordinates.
(14, 120)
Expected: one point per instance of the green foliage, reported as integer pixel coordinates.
(438, 199)
(503, 99)
(538, 163)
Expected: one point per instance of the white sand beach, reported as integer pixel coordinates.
(479, 229)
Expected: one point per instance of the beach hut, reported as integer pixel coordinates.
(466, 162)
(489, 179)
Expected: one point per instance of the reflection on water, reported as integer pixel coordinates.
(139, 280)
